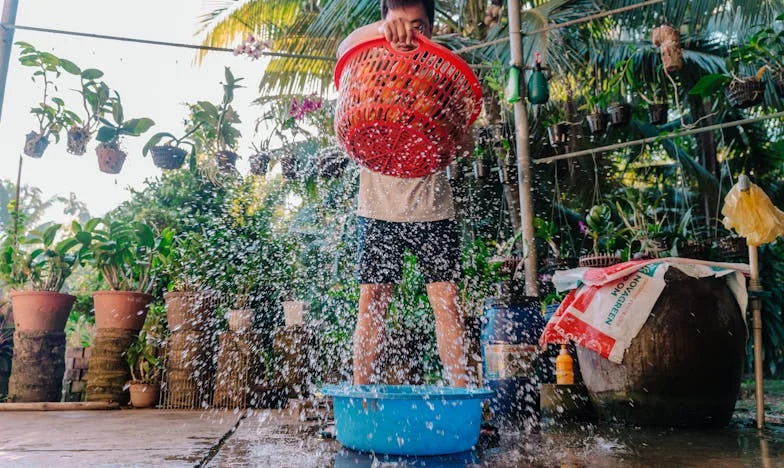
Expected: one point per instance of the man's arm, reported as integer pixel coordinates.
(362, 34)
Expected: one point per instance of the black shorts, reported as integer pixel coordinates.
(435, 244)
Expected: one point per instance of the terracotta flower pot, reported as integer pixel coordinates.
(558, 134)
(78, 138)
(121, 309)
(294, 312)
(239, 319)
(110, 159)
(41, 310)
(35, 145)
(168, 157)
(191, 310)
(144, 395)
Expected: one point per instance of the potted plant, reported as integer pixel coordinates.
(259, 162)
(170, 155)
(37, 274)
(595, 101)
(128, 255)
(558, 129)
(96, 99)
(218, 134)
(142, 358)
(110, 157)
(599, 226)
(51, 112)
(645, 223)
(548, 232)
(240, 318)
(189, 302)
(651, 89)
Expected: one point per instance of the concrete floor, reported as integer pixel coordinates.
(219, 438)
(111, 438)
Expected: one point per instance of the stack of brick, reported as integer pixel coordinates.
(75, 381)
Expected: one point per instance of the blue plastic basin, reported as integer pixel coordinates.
(407, 420)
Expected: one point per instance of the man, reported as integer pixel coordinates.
(396, 214)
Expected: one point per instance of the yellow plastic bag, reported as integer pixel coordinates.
(752, 215)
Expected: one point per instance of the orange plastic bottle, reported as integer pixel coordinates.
(564, 368)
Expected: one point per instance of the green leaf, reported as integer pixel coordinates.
(106, 134)
(210, 108)
(84, 237)
(70, 67)
(49, 234)
(117, 112)
(154, 140)
(145, 235)
(92, 74)
(136, 127)
(709, 85)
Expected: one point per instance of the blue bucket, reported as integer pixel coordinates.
(407, 420)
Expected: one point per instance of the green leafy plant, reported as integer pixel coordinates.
(142, 358)
(645, 220)
(51, 112)
(111, 132)
(548, 231)
(184, 264)
(170, 140)
(129, 255)
(480, 274)
(599, 226)
(96, 102)
(39, 261)
(214, 127)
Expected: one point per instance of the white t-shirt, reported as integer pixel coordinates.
(405, 200)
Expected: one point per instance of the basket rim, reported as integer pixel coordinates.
(426, 45)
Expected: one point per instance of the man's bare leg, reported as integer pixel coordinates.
(373, 304)
(450, 331)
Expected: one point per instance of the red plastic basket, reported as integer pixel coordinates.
(402, 113)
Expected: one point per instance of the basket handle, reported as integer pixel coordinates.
(418, 39)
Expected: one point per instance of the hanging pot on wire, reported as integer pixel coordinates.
(538, 87)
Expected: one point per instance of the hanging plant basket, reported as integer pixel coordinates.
(78, 138)
(657, 113)
(288, 167)
(559, 134)
(454, 171)
(110, 158)
(695, 249)
(35, 145)
(597, 122)
(743, 93)
(599, 261)
(259, 163)
(168, 157)
(481, 168)
(733, 249)
(620, 114)
(227, 160)
(331, 163)
(668, 40)
(779, 83)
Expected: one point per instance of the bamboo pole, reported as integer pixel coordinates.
(565, 24)
(644, 141)
(8, 17)
(523, 156)
(756, 310)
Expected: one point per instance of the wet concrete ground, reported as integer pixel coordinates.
(280, 439)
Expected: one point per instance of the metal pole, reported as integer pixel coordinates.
(8, 17)
(756, 310)
(523, 155)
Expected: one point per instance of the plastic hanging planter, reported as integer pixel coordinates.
(407, 419)
(403, 113)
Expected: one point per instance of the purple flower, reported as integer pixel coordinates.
(583, 227)
(309, 104)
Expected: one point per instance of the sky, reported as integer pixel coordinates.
(153, 81)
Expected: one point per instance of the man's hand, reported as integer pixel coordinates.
(399, 32)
